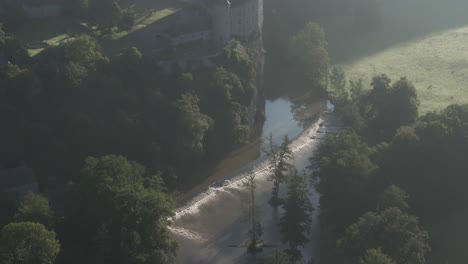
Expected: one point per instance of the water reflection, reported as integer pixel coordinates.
(207, 228)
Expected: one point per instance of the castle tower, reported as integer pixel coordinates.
(220, 12)
(246, 17)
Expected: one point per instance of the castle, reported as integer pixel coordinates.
(219, 21)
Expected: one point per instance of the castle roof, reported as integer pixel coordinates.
(229, 2)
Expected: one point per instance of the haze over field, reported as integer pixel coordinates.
(240, 131)
(424, 41)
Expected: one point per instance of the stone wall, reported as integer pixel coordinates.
(220, 13)
(245, 19)
(192, 36)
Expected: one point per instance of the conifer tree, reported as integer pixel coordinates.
(295, 224)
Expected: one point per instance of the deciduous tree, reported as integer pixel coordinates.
(117, 214)
(398, 234)
(27, 242)
(35, 208)
(376, 256)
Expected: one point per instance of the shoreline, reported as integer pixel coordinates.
(235, 177)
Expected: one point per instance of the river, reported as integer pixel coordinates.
(213, 227)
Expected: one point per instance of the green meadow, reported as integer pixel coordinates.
(423, 40)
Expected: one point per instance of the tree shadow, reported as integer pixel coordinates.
(144, 38)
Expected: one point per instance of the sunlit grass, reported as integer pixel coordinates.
(53, 31)
(141, 22)
(155, 16)
(54, 41)
(437, 65)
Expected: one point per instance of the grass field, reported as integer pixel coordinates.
(437, 65)
(423, 40)
(53, 31)
(57, 30)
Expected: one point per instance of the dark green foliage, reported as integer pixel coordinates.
(425, 157)
(376, 256)
(2, 37)
(70, 63)
(390, 106)
(378, 112)
(35, 208)
(398, 234)
(127, 20)
(430, 154)
(225, 101)
(295, 223)
(394, 197)
(105, 13)
(256, 230)
(278, 257)
(26, 242)
(193, 123)
(338, 89)
(85, 103)
(346, 169)
(131, 58)
(14, 51)
(308, 52)
(235, 58)
(280, 159)
(116, 215)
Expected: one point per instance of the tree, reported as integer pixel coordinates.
(278, 257)
(308, 52)
(296, 221)
(192, 126)
(117, 214)
(344, 172)
(26, 243)
(337, 89)
(35, 208)
(2, 37)
(376, 256)
(223, 101)
(390, 105)
(394, 197)
(127, 20)
(398, 234)
(15, 52)
(105, 13)
(235, 58)
(69, 64)
(131, 58)
(256, 228)
(279, 158)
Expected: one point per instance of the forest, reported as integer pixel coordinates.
(113, 141)
(112, 128)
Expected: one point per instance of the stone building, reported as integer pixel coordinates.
(219, 21)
